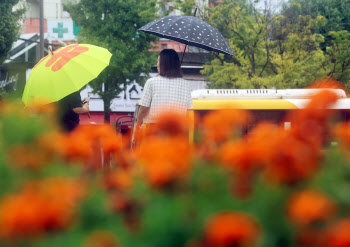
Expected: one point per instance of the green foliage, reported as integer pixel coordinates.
(113, 25)
(337, 13)
(9, 26)
(274, 51)
(187, 7)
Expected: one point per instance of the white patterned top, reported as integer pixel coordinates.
(164, 94)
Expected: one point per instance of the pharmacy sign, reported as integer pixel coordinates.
(62, 29)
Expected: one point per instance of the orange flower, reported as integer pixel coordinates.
(242, 155)
(101, 239)
(51, 143)
(311, 124)
(169, 124)
(310, 206)
(232, 229)
(342, 132)
(327, 83)
(83, 143)
(293, 160)
(118, 179)
(220, 125)
(40, 207)
(27, 156)
(338, 234)
(164, 159)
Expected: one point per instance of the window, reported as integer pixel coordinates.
(164, 46)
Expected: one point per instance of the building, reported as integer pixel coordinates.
(59, 30)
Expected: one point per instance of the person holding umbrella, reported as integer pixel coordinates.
(69, 109)
(168, 91)
(60, 75)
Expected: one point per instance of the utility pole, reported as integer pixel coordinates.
(41, 29)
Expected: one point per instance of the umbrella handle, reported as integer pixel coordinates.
(85, 101)
(51, 51)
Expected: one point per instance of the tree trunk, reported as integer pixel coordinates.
(107, 110)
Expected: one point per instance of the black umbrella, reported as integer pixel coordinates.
(189, 30)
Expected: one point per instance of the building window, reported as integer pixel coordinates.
(164, 46)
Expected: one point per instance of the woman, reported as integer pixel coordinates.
(168, 91)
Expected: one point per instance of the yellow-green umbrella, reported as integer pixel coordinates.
(63, 72)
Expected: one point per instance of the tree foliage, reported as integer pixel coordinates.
(274, 50)
(337, 13)
(9, 26)
(113, 24)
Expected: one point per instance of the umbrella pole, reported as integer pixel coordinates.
(51, 51)
(183, 54)
(194, 14)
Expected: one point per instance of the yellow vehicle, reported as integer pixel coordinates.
(263, 104)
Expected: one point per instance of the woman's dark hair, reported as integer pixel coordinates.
(169, 64)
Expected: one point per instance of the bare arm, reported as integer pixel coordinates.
(141, 115)
(80, 110)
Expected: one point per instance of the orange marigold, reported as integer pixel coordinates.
(83, 141)
(338, 234)
(27, 156)
(342, 132)
(311, 123)
(220, 125)
(327, 83)
(169, 124)
(309, 206)
(292, 160)
(118, 179)
(22, 214)
(164, 159)
(232, 229)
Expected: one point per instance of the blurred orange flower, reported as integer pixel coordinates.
(40, 207)
(169, 124)
(85, 140)
(27, 156)
(232, 229)
(244, 158)
(311, 123)
(342, 132)
(329, 83)
(101, 239)
(222, 124)
(309, 206)
(164, 159)
(293, 160)
(338, 234)
(118, 179)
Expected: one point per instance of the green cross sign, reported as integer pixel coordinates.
(60, 30)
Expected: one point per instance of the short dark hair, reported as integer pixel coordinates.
(169, 64)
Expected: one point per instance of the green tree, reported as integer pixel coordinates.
(337, 13)
(271, 50)
(113, 24)
(9, 26)
(338, 54)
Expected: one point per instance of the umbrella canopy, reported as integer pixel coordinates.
(189, 30)
(63, 72)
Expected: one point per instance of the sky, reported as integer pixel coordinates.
(275, 4)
